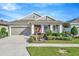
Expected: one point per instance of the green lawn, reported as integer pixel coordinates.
(52, 51)
(75, 41)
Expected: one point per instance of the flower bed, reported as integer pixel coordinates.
(58, 38)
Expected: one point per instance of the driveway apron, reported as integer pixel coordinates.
(13, 46)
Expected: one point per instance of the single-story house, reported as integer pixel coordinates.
(34, 23)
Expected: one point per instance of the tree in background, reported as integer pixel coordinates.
(74, 31)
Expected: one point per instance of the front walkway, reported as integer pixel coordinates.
(13, 46)
(52, 45)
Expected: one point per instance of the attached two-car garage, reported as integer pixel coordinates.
(21, 31)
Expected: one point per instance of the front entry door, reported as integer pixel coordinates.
(37, 29)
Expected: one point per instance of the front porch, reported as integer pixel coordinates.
(57, 28)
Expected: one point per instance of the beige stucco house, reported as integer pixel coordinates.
(34, 23)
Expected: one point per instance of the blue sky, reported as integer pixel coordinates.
(58, 11)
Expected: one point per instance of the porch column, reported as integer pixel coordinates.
(60, 28)
(42, 28)
(32, 29)
(9, 30)
(51, 28)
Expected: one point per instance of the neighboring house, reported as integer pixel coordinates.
(34, 23)
(75, 22)
(3, 24)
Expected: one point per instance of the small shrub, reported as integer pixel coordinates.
(45, 37)
(62, 34)
(29, 40)
(58, 38)
(67, 33)
(50, 37)
(39, 37)
(49, 32)
(32, 38)
(66, 38)
(54, 37)
(55, 34)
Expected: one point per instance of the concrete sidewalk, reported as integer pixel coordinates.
(52, 45)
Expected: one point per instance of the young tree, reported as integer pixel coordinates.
(3, 30)
(74, 31)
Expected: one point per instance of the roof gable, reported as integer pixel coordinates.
(32, 16)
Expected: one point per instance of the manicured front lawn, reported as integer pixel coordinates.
(52, 51)
(74, 41)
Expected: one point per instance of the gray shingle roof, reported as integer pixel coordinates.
(2, 22)
(75, 20)
(36, 20)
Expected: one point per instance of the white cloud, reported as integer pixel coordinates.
(11, 15)
(9, 6)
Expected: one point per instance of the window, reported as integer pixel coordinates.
(54, 27)
(46, 27)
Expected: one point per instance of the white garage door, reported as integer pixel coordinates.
(20, 31)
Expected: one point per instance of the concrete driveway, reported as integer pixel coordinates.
(13, 46)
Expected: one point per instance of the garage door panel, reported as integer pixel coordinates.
(20, 31)
(25, 31)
